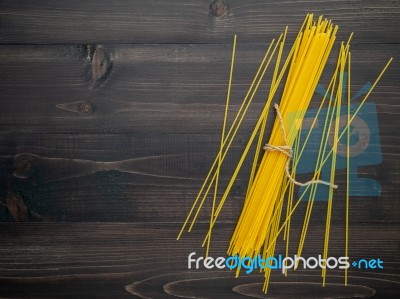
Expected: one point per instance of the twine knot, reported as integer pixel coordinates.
(287, 150)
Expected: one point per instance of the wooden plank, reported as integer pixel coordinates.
(123, 21)
(142, 177)
(152, 88)
(143, 145)
(126, 261)
(110, 117)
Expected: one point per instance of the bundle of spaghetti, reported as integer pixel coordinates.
(278, 75)
(260, 222)
(270, 242)
(332, 117)
(311, 50)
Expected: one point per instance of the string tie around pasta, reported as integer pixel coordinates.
(287, 150)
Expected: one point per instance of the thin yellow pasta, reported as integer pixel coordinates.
(261, 222)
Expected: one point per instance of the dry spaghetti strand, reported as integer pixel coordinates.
(312, 49)
(211, 176)
(222, 140)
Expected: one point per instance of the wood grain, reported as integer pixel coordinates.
(155, 88)
(99, 260)
(110, 116)
(133, 139)
(123, 21)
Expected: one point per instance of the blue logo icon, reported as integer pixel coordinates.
(365, 147)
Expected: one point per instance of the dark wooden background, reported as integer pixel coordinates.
(110, 116)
